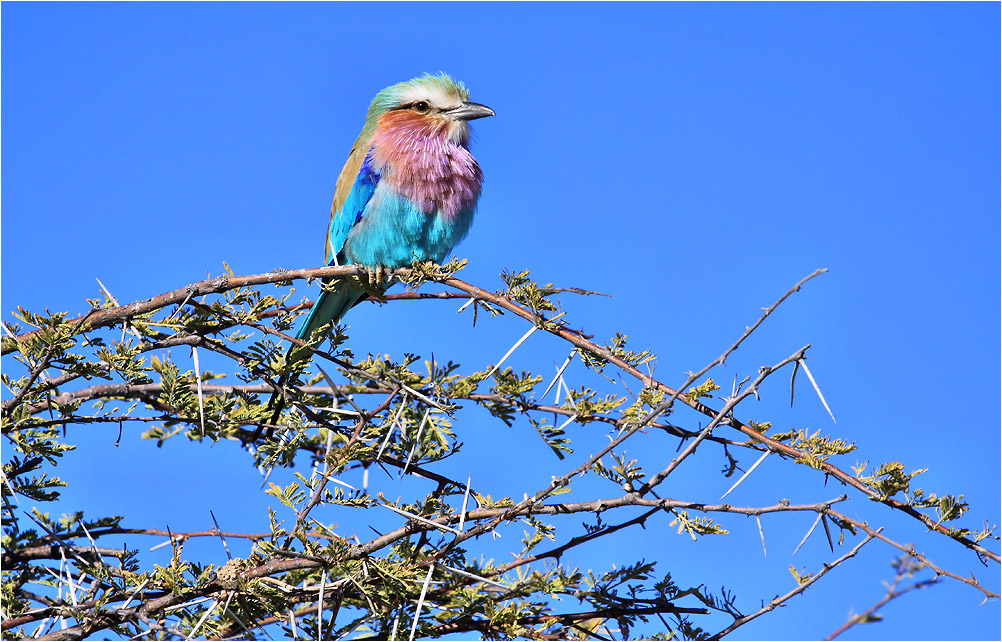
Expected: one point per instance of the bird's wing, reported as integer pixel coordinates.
(349, 207)
(355, 186)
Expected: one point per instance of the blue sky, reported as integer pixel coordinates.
(692, 160)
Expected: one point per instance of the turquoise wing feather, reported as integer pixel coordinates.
(331, 305)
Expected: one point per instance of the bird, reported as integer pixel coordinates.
(408, 191)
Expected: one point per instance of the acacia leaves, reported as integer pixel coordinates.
(342, 557)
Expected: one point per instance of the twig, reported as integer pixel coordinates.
(741, 621)
(904, 568)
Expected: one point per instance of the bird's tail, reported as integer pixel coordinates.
(329, 308)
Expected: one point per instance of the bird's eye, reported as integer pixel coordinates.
(420, 106)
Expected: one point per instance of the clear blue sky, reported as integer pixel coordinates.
(692, 160)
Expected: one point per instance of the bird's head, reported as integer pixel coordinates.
(433, 105)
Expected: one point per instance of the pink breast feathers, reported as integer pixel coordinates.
(416, 155)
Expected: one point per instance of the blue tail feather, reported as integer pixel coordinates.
(330, 307)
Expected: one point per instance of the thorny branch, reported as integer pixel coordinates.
(906, 568)
(802, 586)
(285, 579)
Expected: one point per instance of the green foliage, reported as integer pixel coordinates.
(704, 390)
(401, 416)
(623, 473)
(124, 360)
(584, 403)
(616, 347)
(696, 526)
(523, 290)
(801, 578)
(889, 479)
(816, 448)
(553, 436)
(511, 386)
(423, 271)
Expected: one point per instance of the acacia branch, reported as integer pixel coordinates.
(905, 569)
(910, 550)
(151, 390)
(801, 587)
(110, 316)
(777, 446)
(281, 559)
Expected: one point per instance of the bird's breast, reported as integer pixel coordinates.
(423, 164)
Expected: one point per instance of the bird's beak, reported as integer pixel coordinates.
(469, 111)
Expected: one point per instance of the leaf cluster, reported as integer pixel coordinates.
(205, 370)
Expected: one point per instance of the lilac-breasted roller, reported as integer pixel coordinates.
(408, 191)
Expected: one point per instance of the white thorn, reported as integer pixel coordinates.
(420, 603)
(513, 348)
(10, 486)
(749, 472)
(803, 363)
(569, 420)
(107, 293)
(442, 527)
(430, 402)
(320, 604)
(417, 440)
(134, 594)
(560, 371)
(466, 498)
(813, 526)
(396, 623)
(567, 393)
(475, 577)
(761, 534)
(202, 620)
(198, 384)
(389, 433)
(162, 544)
(341, 483)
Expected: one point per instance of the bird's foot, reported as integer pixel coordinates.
(372, 283)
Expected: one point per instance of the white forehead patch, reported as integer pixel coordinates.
(432, 94)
